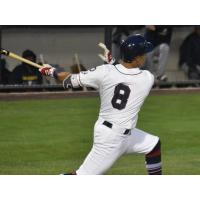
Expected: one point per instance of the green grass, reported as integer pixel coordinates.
(54, 136)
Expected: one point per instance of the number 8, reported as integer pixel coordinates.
(121, 95)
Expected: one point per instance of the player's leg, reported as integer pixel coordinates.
(143, 142)
(107, 148)
(153, 160)
(98, 161)
(72, 173)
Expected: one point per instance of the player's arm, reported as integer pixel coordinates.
(62, 77)
(91, 78)
(48, 70)
(66, 78)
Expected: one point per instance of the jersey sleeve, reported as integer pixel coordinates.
(151, 78)
(93, 77)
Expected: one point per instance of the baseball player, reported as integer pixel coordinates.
(123, 89)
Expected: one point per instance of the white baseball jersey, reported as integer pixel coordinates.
(122, 92)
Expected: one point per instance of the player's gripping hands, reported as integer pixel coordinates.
(66, 78)
(48, 70)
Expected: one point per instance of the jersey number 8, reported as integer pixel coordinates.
(121, 95)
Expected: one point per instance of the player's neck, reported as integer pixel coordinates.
(130, 65)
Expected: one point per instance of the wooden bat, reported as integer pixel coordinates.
(17, 57)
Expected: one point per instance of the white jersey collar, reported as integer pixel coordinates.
(124, 70)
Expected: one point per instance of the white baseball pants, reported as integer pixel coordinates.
(110, 144)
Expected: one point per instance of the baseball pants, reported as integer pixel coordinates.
(111, 143)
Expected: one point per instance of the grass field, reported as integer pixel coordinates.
(54, 136)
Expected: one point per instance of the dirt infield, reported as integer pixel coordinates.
(45, 95)
(188, 90)
(69, 94)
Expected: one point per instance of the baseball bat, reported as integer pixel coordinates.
(17, 57)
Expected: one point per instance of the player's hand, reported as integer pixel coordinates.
(47, 70)
(106, 56)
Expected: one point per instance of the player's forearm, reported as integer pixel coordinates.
(61, 76)
(48, 70)
(66, 78)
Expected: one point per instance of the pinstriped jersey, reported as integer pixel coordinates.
(122, 91)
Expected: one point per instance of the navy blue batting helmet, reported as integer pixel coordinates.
(134, 46)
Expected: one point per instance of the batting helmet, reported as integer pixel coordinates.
(134, 46)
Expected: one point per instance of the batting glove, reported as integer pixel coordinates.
(107, 56)
(48, 70)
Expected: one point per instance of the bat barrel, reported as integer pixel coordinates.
(15, 56)
(4, 52)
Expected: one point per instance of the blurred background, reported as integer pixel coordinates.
(71, 48)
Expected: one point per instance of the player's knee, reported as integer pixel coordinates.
(158, 145)
(156, 150)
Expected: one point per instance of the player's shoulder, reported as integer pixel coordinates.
(148, 74)
(98, 71)
(105, 67)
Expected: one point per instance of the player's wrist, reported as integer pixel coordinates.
(55, 74)
(112, 61)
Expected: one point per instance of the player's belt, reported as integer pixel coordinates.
(109, 125)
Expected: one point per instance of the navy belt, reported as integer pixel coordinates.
(109, 125)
